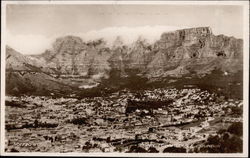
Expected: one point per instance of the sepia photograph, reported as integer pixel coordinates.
(125, 78)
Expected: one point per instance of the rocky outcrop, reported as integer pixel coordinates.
(174, 50)
(71, 56)
(193, 49)
(188, 51)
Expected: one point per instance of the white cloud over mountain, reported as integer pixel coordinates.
(35, 44)
(128, 34)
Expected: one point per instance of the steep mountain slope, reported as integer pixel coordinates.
(17, 61)
(71, 62)
(191, 50)
(71, 56)
(27, 75)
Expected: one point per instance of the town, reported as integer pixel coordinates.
(159, 120)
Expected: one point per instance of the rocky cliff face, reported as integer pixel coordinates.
(71, 56)
(173, 51)
(189, 51)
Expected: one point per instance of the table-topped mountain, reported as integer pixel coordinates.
(71, 62)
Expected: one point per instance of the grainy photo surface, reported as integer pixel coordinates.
(123, 78)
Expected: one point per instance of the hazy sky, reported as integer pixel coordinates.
(32, 28)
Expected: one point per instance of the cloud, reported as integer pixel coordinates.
(128, 34)
(36, 44)
(28, 44)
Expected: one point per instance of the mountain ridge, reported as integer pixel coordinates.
(74, 62)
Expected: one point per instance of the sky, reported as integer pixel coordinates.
(31, 29)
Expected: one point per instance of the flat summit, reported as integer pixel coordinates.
(73, 62)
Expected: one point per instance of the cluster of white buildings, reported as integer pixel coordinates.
(178, 124)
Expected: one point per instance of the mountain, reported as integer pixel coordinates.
(72, 62)
(28, 75)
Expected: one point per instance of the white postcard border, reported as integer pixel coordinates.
(245, 4)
